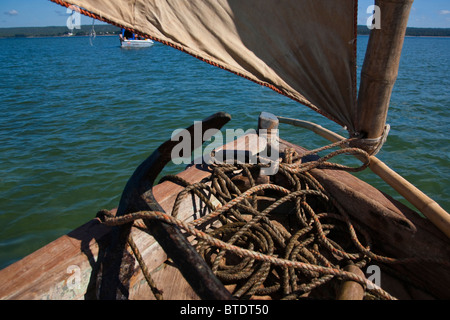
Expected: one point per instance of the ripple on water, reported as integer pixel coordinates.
(77, 120)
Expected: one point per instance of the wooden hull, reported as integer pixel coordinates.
(68, 267)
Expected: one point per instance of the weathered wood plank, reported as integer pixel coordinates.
(170, 281)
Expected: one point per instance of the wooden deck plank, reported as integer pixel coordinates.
(170, 281)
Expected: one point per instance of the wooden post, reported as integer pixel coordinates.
(267, 121)
(380, 67)
(268, 128)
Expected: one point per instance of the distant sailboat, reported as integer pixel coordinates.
(132, 40)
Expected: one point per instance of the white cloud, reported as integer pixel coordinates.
(12, 12)
(444, 12)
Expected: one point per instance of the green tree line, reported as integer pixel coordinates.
(415, 32)
(26, 32)
(108, 29)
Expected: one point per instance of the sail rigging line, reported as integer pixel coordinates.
(92, 34)
(372, 146)
(215, 64)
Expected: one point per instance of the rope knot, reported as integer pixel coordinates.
(371, 146)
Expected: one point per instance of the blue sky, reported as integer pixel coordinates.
(28, 13)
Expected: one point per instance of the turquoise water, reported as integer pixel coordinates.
(77, 119)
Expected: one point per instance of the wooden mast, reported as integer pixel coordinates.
(380, 67)
(378, 77)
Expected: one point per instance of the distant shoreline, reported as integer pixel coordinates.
(64, 36)
(58, 31)
(115, 35)
(62, 31)
(415, 32)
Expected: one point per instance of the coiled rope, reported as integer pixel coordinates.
(286, 240)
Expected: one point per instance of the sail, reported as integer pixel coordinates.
(303, 49)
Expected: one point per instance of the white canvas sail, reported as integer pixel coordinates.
(303, 49)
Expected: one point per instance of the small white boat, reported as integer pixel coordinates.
(136, 43)
(131, 40)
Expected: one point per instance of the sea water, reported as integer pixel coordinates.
(78, 116)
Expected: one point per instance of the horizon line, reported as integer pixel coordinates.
(107, 24)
